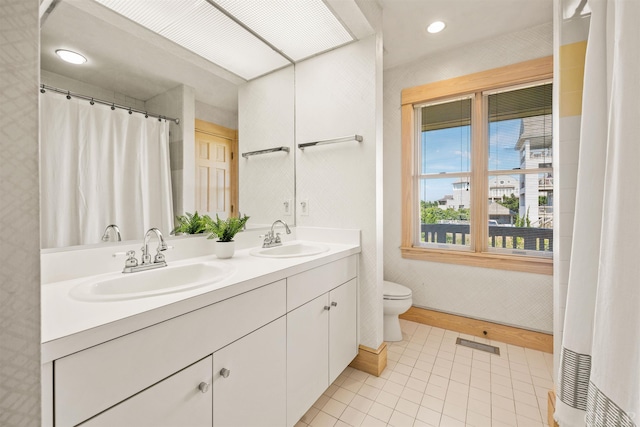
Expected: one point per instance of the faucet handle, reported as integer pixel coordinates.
(131, 259)
(159, 255)
(278, 240)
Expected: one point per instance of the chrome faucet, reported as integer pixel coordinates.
(271, 239)
(105, 235)
(131, 264)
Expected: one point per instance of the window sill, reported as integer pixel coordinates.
(481, 259)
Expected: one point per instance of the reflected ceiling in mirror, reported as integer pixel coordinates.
(125, 58)
(249, 38)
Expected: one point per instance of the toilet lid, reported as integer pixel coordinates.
(392, 290)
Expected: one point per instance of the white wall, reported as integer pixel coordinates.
(179, 102)
(512, 298)
(62, 82)
(336, 95)
(219, 116)
(266, 120)
(19, 215)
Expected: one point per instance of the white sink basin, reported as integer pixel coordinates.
(290, 250)
(165, 280)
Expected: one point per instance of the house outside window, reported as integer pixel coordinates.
(478, 169)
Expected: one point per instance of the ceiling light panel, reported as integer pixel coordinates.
(300, 28)
(201, 28)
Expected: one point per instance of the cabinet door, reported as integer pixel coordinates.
(307, 356)
(175, 401)
(343, 338)
(251, 391)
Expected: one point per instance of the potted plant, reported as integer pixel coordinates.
(225, 230)
(191, 224)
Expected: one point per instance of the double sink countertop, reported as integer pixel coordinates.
(70, 325)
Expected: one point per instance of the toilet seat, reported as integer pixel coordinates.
(394, 291)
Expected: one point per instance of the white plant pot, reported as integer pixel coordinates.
(224, 250)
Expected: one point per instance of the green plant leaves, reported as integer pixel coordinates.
(225, 229)
(191, 223)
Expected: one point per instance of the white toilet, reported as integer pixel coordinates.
(397, 300)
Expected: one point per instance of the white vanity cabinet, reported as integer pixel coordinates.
(98, 378)
(321, 333)
(343, 333)
(259, 358)
(172, 402)
(249, 380)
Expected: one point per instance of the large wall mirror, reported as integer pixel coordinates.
(131, 66)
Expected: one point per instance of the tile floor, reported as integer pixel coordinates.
(431, 381)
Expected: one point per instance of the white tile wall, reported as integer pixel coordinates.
(179, 102)
(519, 299)
(219, 116)
(336, 95)
(19, 215)
(62, 82)
(266, 120)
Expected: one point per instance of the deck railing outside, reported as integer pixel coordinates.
(500, 236)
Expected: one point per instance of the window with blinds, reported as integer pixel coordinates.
(445, 173)
(511, 153)
(520, 168)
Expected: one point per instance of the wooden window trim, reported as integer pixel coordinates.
(511, 75)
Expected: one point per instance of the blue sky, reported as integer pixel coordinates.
(448, 150)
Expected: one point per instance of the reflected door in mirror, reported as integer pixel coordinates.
(216, 176)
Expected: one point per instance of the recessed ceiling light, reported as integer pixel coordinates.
(436, 27)
(72, 57)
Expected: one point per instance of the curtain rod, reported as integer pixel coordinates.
(113, 105)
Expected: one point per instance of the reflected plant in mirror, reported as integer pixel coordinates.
(191, 223)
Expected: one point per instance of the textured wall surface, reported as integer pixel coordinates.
(266, 120)
(513, 298)
(62, 82)
(219, 116)
(19, 215)
(336, 96)
(179, 103)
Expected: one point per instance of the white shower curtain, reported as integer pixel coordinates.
(599, 379)
(98, 167)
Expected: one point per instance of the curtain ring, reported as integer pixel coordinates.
(91, 102)
(113, 107)
(42, 89)
(68, 95)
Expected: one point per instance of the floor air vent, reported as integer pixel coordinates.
(478, 346)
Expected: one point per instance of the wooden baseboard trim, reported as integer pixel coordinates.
(371, 360)
(480, 328)
(551, 409)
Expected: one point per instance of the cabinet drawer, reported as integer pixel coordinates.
(310, 284)
(175, 401)
(90, 381)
